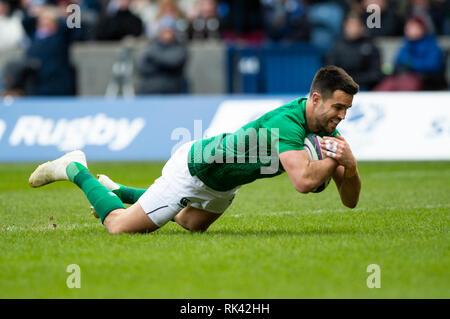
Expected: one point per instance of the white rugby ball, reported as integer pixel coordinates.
(312, 147)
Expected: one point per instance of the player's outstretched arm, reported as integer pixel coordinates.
(348, 183)
(304, 174)
(346, 175)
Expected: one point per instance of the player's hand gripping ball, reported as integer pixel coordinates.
(338, 149)
(312, 147)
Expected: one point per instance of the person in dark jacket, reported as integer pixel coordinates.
(161, 69)
(50, 41)
(390, 22)
(357, 54)
(119, 22)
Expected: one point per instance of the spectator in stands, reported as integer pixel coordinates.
(11, 30)
(285, 20)
(204, 23)
(119, 22)
(357, 54)
(390, 22)
(419, 62)
(168, 8)
(161, 69)
(50, 40)
(325, 18)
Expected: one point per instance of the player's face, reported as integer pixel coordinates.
(333, 110)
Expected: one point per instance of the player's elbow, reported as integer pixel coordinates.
(303, 187)
(351, 205)
(351, 201)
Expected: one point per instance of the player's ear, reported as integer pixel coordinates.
(316, 98)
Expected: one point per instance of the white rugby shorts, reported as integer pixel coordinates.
(177, 188)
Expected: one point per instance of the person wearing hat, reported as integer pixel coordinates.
(161, 68)
(420, 51)
(419, 62)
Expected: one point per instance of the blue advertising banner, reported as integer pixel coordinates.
(145, 128)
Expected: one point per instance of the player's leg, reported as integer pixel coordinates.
(190, 218)
(195, 219)
(128, 195)
(202, 214)
(73, 167)
(130, 220)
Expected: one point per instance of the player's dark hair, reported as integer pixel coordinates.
(331, 78)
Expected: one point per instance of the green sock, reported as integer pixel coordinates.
(129, 195)
(98, 195)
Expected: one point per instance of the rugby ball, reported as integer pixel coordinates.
(312, 147)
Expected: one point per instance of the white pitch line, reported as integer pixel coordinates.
(340, 210)
(6, 228)
(407, 174)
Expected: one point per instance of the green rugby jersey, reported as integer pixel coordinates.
(228, 160)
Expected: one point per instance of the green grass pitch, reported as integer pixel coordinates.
(271, 243)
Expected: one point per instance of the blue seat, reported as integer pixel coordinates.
(290, 69)
(272, 68)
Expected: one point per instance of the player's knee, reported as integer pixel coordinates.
(198, 228)
(113, 224)
(115, 228)
(190, 225)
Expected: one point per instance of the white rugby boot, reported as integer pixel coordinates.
(55, 170)
(107, 182)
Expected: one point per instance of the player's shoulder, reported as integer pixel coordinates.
(294, 107)
(288, 114)
(298, 102)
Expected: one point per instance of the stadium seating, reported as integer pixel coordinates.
(272, 68)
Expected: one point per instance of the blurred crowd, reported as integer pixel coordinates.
(343, 30)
